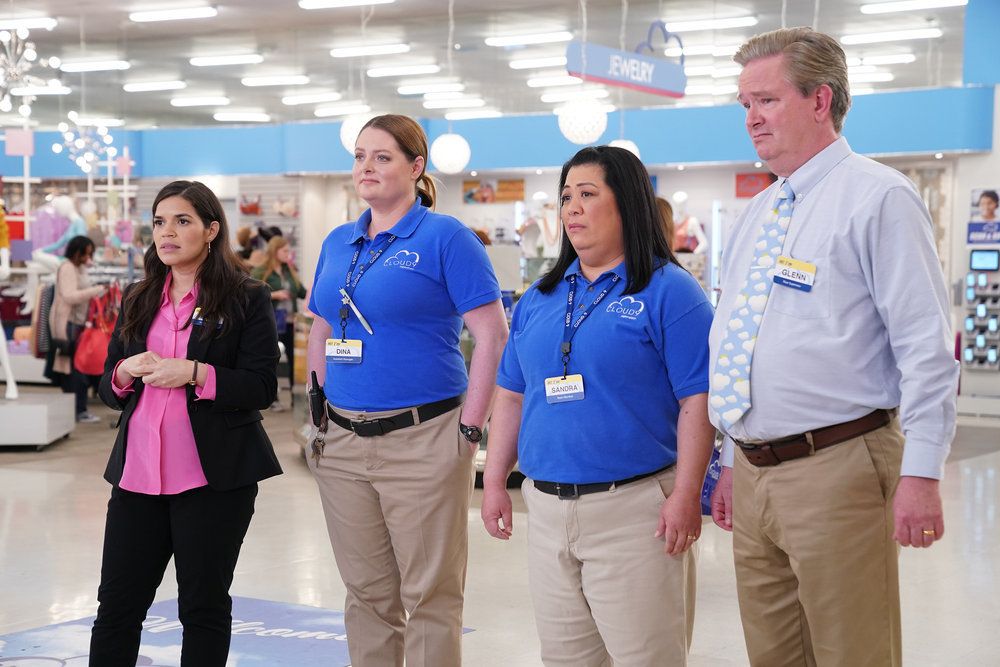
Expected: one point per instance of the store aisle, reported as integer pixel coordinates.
(51, 526)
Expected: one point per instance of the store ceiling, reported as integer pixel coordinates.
(295, 41)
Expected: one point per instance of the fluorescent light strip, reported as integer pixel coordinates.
(891, 36)
(36, 23)
(216, 61)
(342, 110)
(712, 24)
(94, 65)
(152, 86)
(703, 50)
(29, 91)
(444, 95)
(463, 103)
(311, 98)
(870, 77)
(729, 89)
(861, 69)
(549, 81)
(289, 80)
(910, 5)
(894, 59)
(861, 90)
(336, 4)
(402, 70)
(530, 38)
(470, 115)
(537, 63)
(566, 95)
(242, 117)
(179, 14)
(92, 121)
(713, 71)
(606, 108)
(373, 50)
(199, 101)
(431, 87)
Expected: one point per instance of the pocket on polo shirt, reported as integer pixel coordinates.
(814, 304)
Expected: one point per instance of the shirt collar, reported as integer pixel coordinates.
(808, 176)
(402, 229)
(574, 270)
(165, 293)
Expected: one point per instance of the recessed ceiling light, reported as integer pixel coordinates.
(462, 103)
(891, 36)
(216, 101)
(938, 156)
(472, 114)
(94, 65)
(711, 24)
(403, 70)
(288, 80)
(431, 87)
(33, 23)
(530, 38)
(220, 60)
(179, 14)
(372, 50)
(242, 117)
(549, 81)
(345, 109)
(537, 63)
(151, 86)
(311, 98)
(335, 4)
(910, 5)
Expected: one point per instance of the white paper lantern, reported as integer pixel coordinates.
(582, 121)
(450, 153)
(627, 145)
(351, 128)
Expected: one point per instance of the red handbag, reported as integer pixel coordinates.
(92, 346)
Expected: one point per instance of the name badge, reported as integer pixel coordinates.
(198, 320)
(564, 389)
(795, 274)
(343, 351)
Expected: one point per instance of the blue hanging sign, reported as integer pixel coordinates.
(983, 232)
(636, 70)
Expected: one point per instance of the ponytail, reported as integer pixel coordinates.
(426, 190)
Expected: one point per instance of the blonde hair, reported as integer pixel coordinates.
(812, 59)
(413, 142)
(271, 263)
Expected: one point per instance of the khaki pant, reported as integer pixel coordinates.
(397, 508)
(816, 566)
(603, 590)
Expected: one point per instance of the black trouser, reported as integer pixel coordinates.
(77, 383)
(287, 338)
(203, 529)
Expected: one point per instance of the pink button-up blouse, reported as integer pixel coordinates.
(161, 456)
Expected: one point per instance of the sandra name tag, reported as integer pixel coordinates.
(343, 351)
(564, 389)
(795, 274)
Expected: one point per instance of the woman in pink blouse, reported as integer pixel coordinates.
(191, 362)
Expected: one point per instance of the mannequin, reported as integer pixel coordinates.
(11, 393)
(689, 236)
(64, 206)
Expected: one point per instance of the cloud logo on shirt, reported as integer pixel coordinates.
(627, 307)
(404, 259)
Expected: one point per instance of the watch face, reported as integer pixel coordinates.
(472, 433)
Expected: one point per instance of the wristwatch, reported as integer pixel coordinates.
(471, 433)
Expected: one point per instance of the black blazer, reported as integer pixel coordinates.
(233, 447)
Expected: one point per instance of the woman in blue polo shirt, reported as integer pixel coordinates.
(395, 473)
(602, 401)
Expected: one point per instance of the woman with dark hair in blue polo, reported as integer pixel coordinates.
(602, 400)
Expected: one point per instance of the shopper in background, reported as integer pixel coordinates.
(279, 274)
(395, 475)
(191, 362)
(666, 212)
(69, 315)
(602, 401)
(810, 366)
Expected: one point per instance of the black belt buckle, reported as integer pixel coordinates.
(567, 491)
(368, 429)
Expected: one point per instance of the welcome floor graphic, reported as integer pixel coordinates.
(264, 634)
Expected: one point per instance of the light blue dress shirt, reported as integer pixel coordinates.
(875, 330)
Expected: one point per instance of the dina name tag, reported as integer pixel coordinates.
(795, 274)
(564, 389)
(343, 351)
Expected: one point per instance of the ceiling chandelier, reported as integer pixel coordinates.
(18, 57)
(85, 145)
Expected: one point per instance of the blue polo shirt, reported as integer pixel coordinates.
(413, 297)
(638, 354)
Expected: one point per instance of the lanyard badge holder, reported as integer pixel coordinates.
(348, 351)
(566, 388)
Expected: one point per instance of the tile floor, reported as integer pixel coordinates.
(51, 525)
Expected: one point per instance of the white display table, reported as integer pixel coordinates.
(36, 419)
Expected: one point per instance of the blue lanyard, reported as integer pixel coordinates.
(351, 285)
(571, 325)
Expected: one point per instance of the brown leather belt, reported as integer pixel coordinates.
(762, 454)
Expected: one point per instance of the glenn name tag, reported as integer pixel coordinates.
(343, 351)
(564, 389)
(795, 274)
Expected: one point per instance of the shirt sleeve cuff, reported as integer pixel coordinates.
(728, 452)
(121, 391)
(922, 459)
(206, 392)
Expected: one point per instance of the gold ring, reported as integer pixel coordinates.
(692, 537)
(929, 531)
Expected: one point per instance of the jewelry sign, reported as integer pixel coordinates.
(637, 70)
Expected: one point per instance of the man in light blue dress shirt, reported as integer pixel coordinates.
(846, 358)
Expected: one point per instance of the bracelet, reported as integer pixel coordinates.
(194, 374)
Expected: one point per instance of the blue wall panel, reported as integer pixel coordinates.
(980, 63)
(213, 151)
(315, 147)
